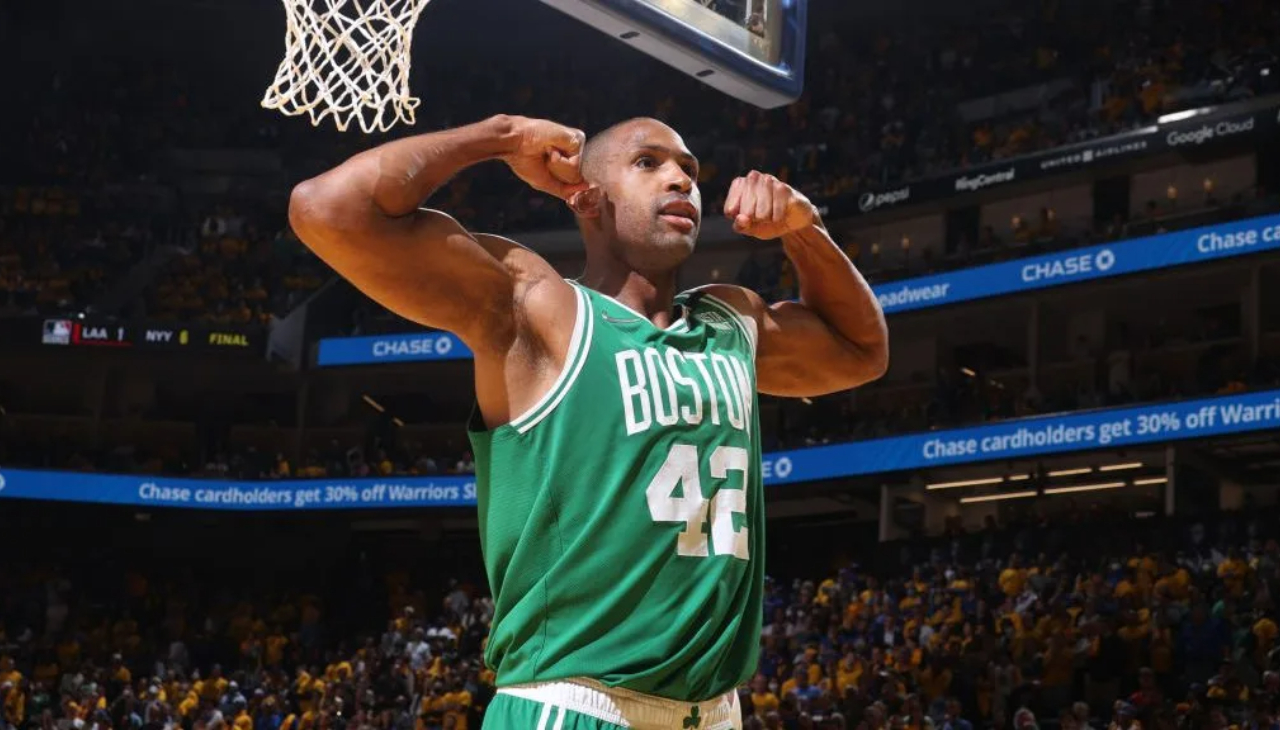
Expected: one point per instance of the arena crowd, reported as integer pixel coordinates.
(1079, 620)
(1046, 621)
(81, 202)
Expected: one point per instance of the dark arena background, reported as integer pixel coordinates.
(233, 491)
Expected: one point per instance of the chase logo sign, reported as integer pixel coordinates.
(1104, 260)
(1083, 265)
(401, 348)
(779, 467)
(412, 347)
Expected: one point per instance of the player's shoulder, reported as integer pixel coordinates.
(542, 307)
(522, 262)
(742, 303)
(741, 300)
(536, 281)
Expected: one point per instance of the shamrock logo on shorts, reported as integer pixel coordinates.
(692, 721)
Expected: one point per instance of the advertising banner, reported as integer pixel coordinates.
(1027, 437)
(1188, 131)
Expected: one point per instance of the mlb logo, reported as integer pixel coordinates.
(56, 332)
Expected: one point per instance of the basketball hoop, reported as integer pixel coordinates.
(348, 59)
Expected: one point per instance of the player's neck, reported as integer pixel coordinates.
(649, 294)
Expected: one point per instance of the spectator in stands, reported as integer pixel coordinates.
(855, 128)
(828, 641)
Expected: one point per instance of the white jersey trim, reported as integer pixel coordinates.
(578, 342)
(572, 366)
(626, 708)
(546, 715)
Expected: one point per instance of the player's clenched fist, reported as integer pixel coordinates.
(764, 207)
(546, 156)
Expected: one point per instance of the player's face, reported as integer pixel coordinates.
(653, 203)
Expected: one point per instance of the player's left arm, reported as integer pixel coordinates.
(834, 338)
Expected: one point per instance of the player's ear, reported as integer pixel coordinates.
(586, 203)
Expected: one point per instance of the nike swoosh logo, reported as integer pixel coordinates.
(614, 320)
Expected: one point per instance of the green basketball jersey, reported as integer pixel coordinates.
(622, 518)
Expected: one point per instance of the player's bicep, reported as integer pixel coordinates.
(425, 267)
(800, 355)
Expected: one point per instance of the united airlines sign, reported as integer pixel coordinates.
(1200, 129)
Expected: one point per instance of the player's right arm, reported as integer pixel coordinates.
(505, 302)
(363, 219)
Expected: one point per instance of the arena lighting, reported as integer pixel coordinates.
(1018, 477)
(1086, 488)
(1150, 481)
(398, 422)
(968, 372)
(1071, 472)
(998, 497)
(375, 405)
(966, 483)
(1179, 116)
(1122, 467)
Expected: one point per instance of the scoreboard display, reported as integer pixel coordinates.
(750, 49)
(69, 332)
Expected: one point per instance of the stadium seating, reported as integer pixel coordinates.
(1073, 619)
(859, 126)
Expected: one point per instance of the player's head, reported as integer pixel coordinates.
(644, 205)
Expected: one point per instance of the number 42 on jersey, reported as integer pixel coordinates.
(675, 495)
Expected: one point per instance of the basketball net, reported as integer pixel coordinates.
(347, 59)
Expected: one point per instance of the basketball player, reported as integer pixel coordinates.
(616, 439)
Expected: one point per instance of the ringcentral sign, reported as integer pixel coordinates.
(978, 182)
(1198, 130)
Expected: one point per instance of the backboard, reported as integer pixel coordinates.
(750, 49)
